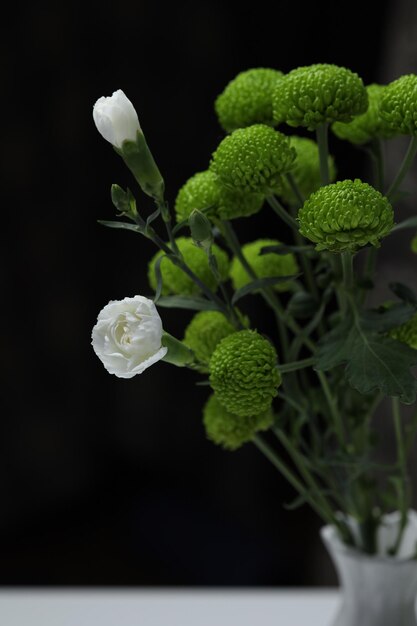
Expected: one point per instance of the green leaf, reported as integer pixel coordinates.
(122, 225)
(373, 360)
(285, 249)
(403, 292)
(195, 303)
(411, 222)
(158, 276)
(382, 320)
(260, 283)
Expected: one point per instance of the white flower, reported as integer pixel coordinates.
(116, 118)
(127, 336)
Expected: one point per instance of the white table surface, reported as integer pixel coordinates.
(106, 607)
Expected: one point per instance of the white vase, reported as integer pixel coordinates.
(377, 590)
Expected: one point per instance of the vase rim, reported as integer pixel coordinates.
(330, 536)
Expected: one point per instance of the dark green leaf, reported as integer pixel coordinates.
(384, 319)
(195, 303)
(122, 225)
(403, 292)
(152, 217)
(285, 249)
(373, 361)
(158, 276)
(411, 222)
(260, 283)
(296, 503)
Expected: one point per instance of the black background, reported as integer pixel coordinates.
(108, 481)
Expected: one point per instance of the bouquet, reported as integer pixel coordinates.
(306, 399)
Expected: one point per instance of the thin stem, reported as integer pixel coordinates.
(377, 151)
(402, 461)
(296, 365)
(412, 430)
(348, 279)
(404, 167)
(295, 189)
(334, 412)
(369, 270)
(322, 142)
(276, 205)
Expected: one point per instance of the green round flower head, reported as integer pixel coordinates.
(317, 94)
(229, 430)
(205, 331)
(243, 373)
(345, 216)
(406, 333)
(175, 281)
(253, 159)
(414, 244)
(247, 99)
(369, 125)
(306, 172)
(264, 265)
(204, 190)
(398, 106)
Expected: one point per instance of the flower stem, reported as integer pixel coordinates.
(323, 144)
(405, 166)
(296, 365)
(402, 461)
(276, 205)
(334, 411)
(295, 189)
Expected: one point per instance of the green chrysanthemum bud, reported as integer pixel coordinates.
(398, 106)
(203, 190)
(406, 333)
(174, 280)
(205, 331)
(414, 244)
(253, 159)
(247, 99)
(243, 373)
(229, 430)
(369, 125)
(264, 265)
(306, 172)
(345, 216)
(317, 94)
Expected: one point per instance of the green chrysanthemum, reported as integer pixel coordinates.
(229, 430)
(204, 190)
(398, 106)
(317, 94)
(414, 244)
(253, 159)
(306, 172)
(205, 331)
(174, 280)
(243, 373)
(406, 333)
(345, 216)
(369, 125)
(264, 265)
(247, 99)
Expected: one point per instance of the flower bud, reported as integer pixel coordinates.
(229, 430)
(247, 99)
(201, 229)
(264, 265)
(253, 159)
(116, 118)
(243, 373)
(205, 331)
(123, 201)
(398, 106)
(345, 216)
(117, 121)
(318, 94)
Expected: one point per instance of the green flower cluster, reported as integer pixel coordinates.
(306, 171)
(230, 430)
(398, 106)
(243, 373)
(369, 125)
(407, 333)
(204, 191)
(253, 159)
(317, 94)
(264, 265)
(247, 99)
(205, 331)
(345, 216)
(175, 281)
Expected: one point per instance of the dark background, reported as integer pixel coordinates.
(108, 481)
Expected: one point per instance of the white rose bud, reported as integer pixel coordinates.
(116, 118)
(127, 336)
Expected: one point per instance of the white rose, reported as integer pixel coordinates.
(116, 118)
(127, 336)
